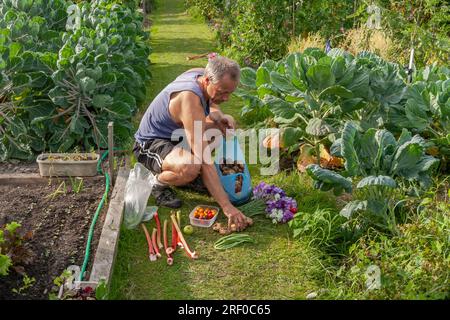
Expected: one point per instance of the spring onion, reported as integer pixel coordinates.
(232, 240)
(253, 208)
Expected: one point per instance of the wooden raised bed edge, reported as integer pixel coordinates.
(106, 252)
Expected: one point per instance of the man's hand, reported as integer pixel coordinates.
(226, 122)
(235, 217)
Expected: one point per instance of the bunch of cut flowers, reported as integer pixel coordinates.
(278, 207)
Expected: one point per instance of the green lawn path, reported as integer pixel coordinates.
(276, 267)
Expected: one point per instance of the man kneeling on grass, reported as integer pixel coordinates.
(191, 101)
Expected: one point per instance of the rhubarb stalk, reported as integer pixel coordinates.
(190, 253)
(158, 235)
(155, 245)
(151, 252)
(167, 249)
(174, 238)
(179, 224)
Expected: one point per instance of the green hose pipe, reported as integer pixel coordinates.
(97, 212)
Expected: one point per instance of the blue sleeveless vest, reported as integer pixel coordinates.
(157, 121)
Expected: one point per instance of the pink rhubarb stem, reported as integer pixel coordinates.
(174, 238)
(158, 235)
(180, 245)
(190, 253)
(167, 249)
(151, 252)
(155, 245)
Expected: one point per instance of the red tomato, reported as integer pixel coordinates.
(293, 210)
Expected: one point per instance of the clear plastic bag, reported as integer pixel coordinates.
(137, 191)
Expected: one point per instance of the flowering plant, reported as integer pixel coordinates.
(279, 207)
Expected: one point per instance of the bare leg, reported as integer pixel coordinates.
(178, 168)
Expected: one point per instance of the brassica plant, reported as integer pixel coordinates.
(381, 163)
(427, 109)
(66, 70)
(311, 94)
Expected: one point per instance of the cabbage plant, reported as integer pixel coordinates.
(66, 70)
(311, 94)
(381, 164)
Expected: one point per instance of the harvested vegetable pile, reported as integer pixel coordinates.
(228, 166)
(224, 230)
(238, 185)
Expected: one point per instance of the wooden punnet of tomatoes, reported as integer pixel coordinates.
(204, 213)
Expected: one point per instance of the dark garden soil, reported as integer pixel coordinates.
(18, 167)
(60, 228)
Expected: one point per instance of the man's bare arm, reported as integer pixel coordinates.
(215, 114)
(192, 114)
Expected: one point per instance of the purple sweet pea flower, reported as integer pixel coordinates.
(278, 205)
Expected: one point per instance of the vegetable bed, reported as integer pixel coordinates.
(59, 224)
(19, 167)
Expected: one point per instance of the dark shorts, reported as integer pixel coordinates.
(153, 152)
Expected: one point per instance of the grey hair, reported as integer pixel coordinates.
(220, 66)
